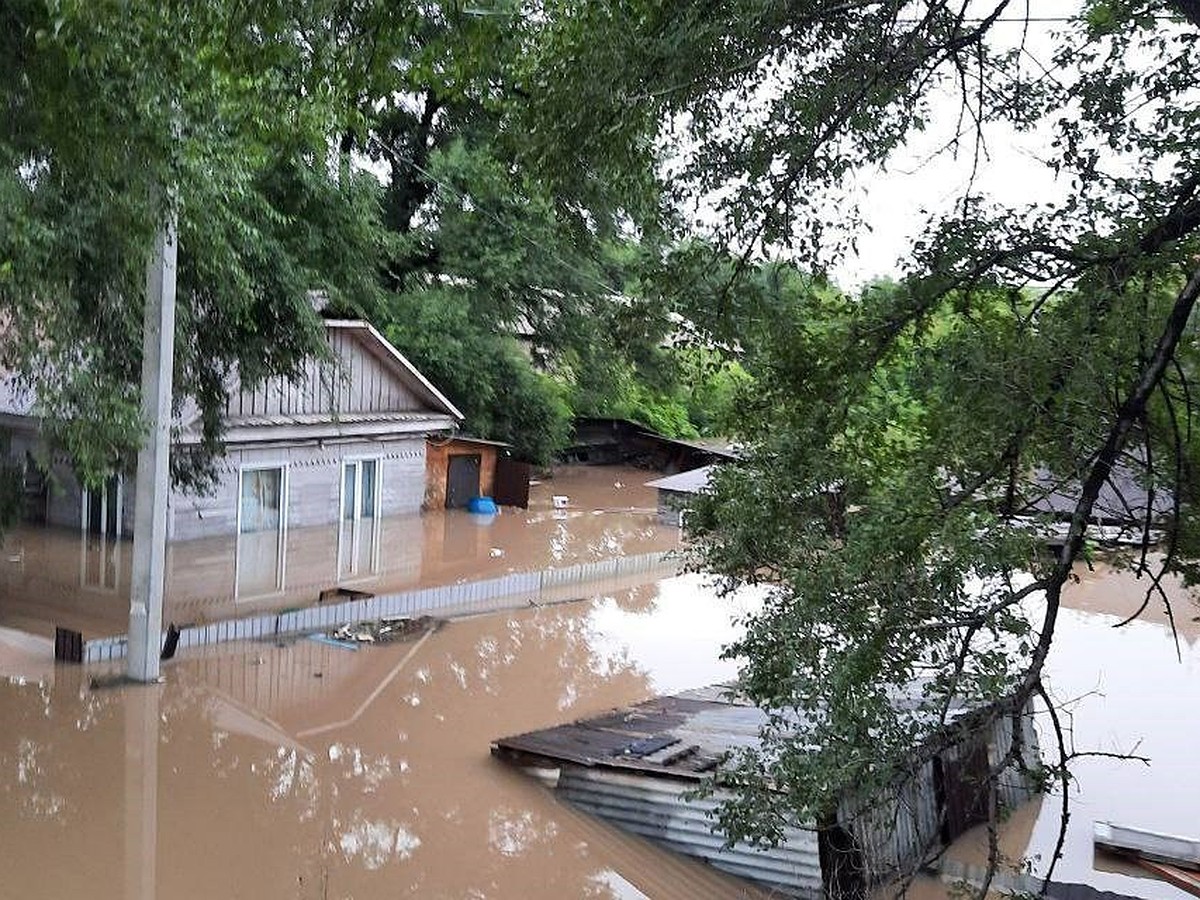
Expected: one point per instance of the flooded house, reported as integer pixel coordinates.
(341, 446)
(639, 768)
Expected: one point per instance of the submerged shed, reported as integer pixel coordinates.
(676, 491)
(459, 467)
(637, 768)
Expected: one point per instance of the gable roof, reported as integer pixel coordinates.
(368, 389)
(384, 350)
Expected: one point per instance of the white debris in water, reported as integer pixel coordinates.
(335, 752)
(495, 553)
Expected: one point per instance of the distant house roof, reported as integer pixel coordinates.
(1122, 498)
(691, 482)
(720, 447)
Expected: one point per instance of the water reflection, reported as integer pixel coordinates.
(54, 577)
(1121, 690)
(311, 771)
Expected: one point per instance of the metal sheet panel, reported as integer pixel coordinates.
(658, 809)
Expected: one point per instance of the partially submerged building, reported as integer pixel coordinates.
(609, 441)
(343, 446)
(638, 768)
(675, 492)
(459, 468)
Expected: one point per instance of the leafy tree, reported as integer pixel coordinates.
(223, 113)
(1054, 335)
(485, 373)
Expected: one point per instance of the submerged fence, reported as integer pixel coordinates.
(507, 591)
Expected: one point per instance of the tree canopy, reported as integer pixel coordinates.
(896, 435)
(113, 116)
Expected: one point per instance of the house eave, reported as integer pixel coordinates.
(332, 430)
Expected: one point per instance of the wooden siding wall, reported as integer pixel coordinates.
(356, 381)
(314, 485)
(437, 463)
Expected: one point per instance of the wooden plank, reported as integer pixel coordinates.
(1167, 848)
(1180, 878)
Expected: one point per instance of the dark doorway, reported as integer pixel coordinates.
(462, 480)
(961, 788)
(512, 483)
(842, 868)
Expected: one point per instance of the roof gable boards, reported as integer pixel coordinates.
(368, 388)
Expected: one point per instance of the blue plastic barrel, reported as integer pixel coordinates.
(483, 505)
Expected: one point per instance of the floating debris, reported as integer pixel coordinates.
(381, 631)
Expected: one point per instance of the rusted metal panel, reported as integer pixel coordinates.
(511, 482)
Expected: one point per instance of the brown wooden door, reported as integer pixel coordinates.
(962, 786)
(512, 483)
(462, 480)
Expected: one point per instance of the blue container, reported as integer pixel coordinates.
(483, 505)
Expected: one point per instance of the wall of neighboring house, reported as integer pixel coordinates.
(314, 484)
(670, 503)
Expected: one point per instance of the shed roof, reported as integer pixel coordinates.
(682, 736)
(468, 439)
(691, 482)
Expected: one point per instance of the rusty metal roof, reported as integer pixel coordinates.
(682, 736)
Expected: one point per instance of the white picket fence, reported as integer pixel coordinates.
(505, 592)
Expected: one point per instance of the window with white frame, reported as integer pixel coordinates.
(262, 524)
(358, 528)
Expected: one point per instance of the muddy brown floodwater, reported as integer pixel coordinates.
(1120, 690)
(56, 576)
(312, 771)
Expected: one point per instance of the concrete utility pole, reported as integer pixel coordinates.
(153, 469)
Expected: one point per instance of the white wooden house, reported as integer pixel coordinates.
(343, 443)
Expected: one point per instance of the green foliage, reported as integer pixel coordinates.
(483, 373)
(219, 113)
(895, 434)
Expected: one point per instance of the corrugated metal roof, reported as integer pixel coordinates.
(691, 482)
(679, 736)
